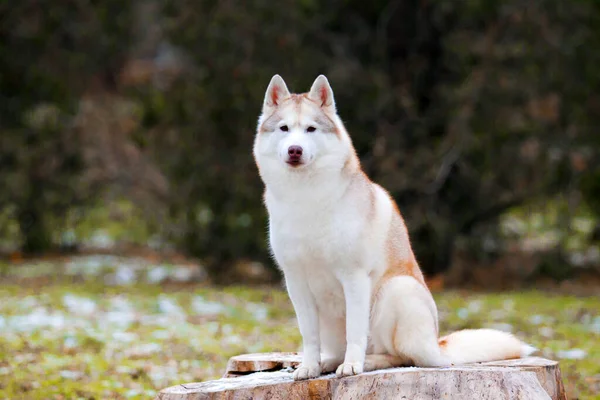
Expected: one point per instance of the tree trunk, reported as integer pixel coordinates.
(36, 236)
(529, 378)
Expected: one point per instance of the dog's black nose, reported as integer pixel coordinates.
(295, 151)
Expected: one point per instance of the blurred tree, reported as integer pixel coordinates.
(48, 57)
(461, 110)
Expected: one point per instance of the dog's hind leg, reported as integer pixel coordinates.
(405, 324)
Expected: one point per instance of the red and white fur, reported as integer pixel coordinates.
(359, 295)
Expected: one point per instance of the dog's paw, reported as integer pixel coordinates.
(307, 371)
(329, 365)
(349, 369)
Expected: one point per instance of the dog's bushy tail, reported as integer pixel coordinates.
(479, 345)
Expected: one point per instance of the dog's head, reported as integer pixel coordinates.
(300, 132)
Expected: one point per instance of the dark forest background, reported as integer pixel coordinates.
(480, 117)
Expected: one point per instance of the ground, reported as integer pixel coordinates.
(68, 333)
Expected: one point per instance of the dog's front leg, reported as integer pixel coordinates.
(357, 293)
(308, 321)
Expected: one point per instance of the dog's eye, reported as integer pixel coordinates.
(284, 128)
(311, 129)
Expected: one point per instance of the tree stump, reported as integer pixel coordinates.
(269, 376)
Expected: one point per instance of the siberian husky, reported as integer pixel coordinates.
(358, 293)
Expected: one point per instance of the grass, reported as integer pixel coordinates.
(88, 340)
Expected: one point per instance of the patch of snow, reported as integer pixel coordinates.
(70, 342)
(29, 302)
(161, 334)
(39, 318)
(89, 265)
(119, 318)
(24, 358)
(79, 305)
(203, 307)
(100, 240)
(132, 393)
(546, 331)
(536, 319)
(572, 354)
(123, 369)
(227, 330)
(71, 375)
(232, 339)
(212, 327)
(259, 311)
(183, 274)
(120, 303)
(157, 274)
(169, 306)
(475, 306)
(156, 320)
(125, 337)
(124, 275)
(594, 326)
(160, 374)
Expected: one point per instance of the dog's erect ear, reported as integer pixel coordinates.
(276, 92)
(321, 92)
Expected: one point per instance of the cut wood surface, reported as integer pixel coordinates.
(528, 378)
(257, 362)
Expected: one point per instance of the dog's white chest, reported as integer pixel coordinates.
(315, 248)
(309, 241)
